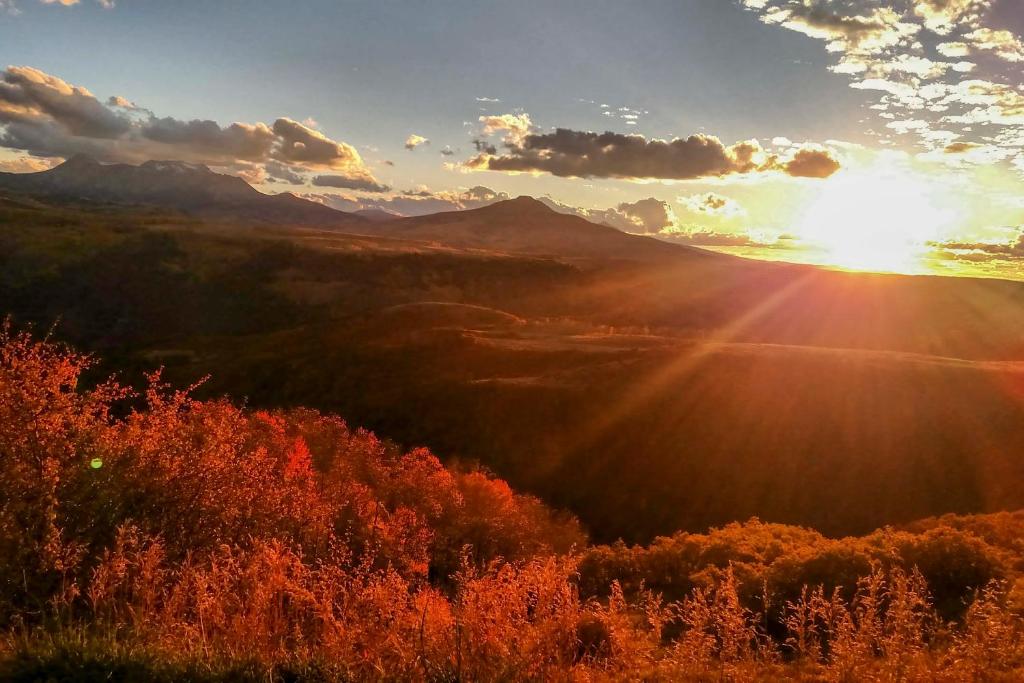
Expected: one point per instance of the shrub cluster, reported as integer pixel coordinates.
(159, 537)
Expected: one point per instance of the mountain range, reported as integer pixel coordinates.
(192, 189)
(518, 226)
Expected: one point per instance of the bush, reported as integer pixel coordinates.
(164, 538)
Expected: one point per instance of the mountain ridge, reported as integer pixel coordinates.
(193, 189)
(523, 225)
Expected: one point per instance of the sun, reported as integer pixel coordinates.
(876, 218)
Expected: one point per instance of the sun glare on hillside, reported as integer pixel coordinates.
(876, 218)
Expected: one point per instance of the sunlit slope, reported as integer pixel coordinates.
(742, 300)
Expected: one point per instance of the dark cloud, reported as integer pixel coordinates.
(811, 163)
(484, 147)
(299, 144)
(283, 174)
(350, 183)
(578, 154)
(28, 94)
(984, 251)
(48, 117)
(238, 141)
(645, 215)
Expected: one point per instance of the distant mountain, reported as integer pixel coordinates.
(526, 226)
(522, 226)
(190, 188)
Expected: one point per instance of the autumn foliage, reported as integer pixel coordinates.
(159, 537)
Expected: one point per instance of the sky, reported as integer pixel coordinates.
(874, 134)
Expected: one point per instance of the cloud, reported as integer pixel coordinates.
(960, 147)
(447, 151)
(414, 141)
(953, 49)
(416, 202)
(848, 27)
(1003, 43)
(902, 50)
(578, 154)
(711, 204)
(645, 215)
(26, 165)
(303, 145)
(702, 237)
(27, 94)
(283, 174)
(493, 100)
(811, 163)
(515, 127)
(1012, 248)
(656, 218)
(484, 147)
(943, 16)
(911, 55)
(350, 183)
(45, 116)
(237, 142)
(123, 103)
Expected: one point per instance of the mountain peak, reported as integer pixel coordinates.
(527, 200)
(524, 204)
